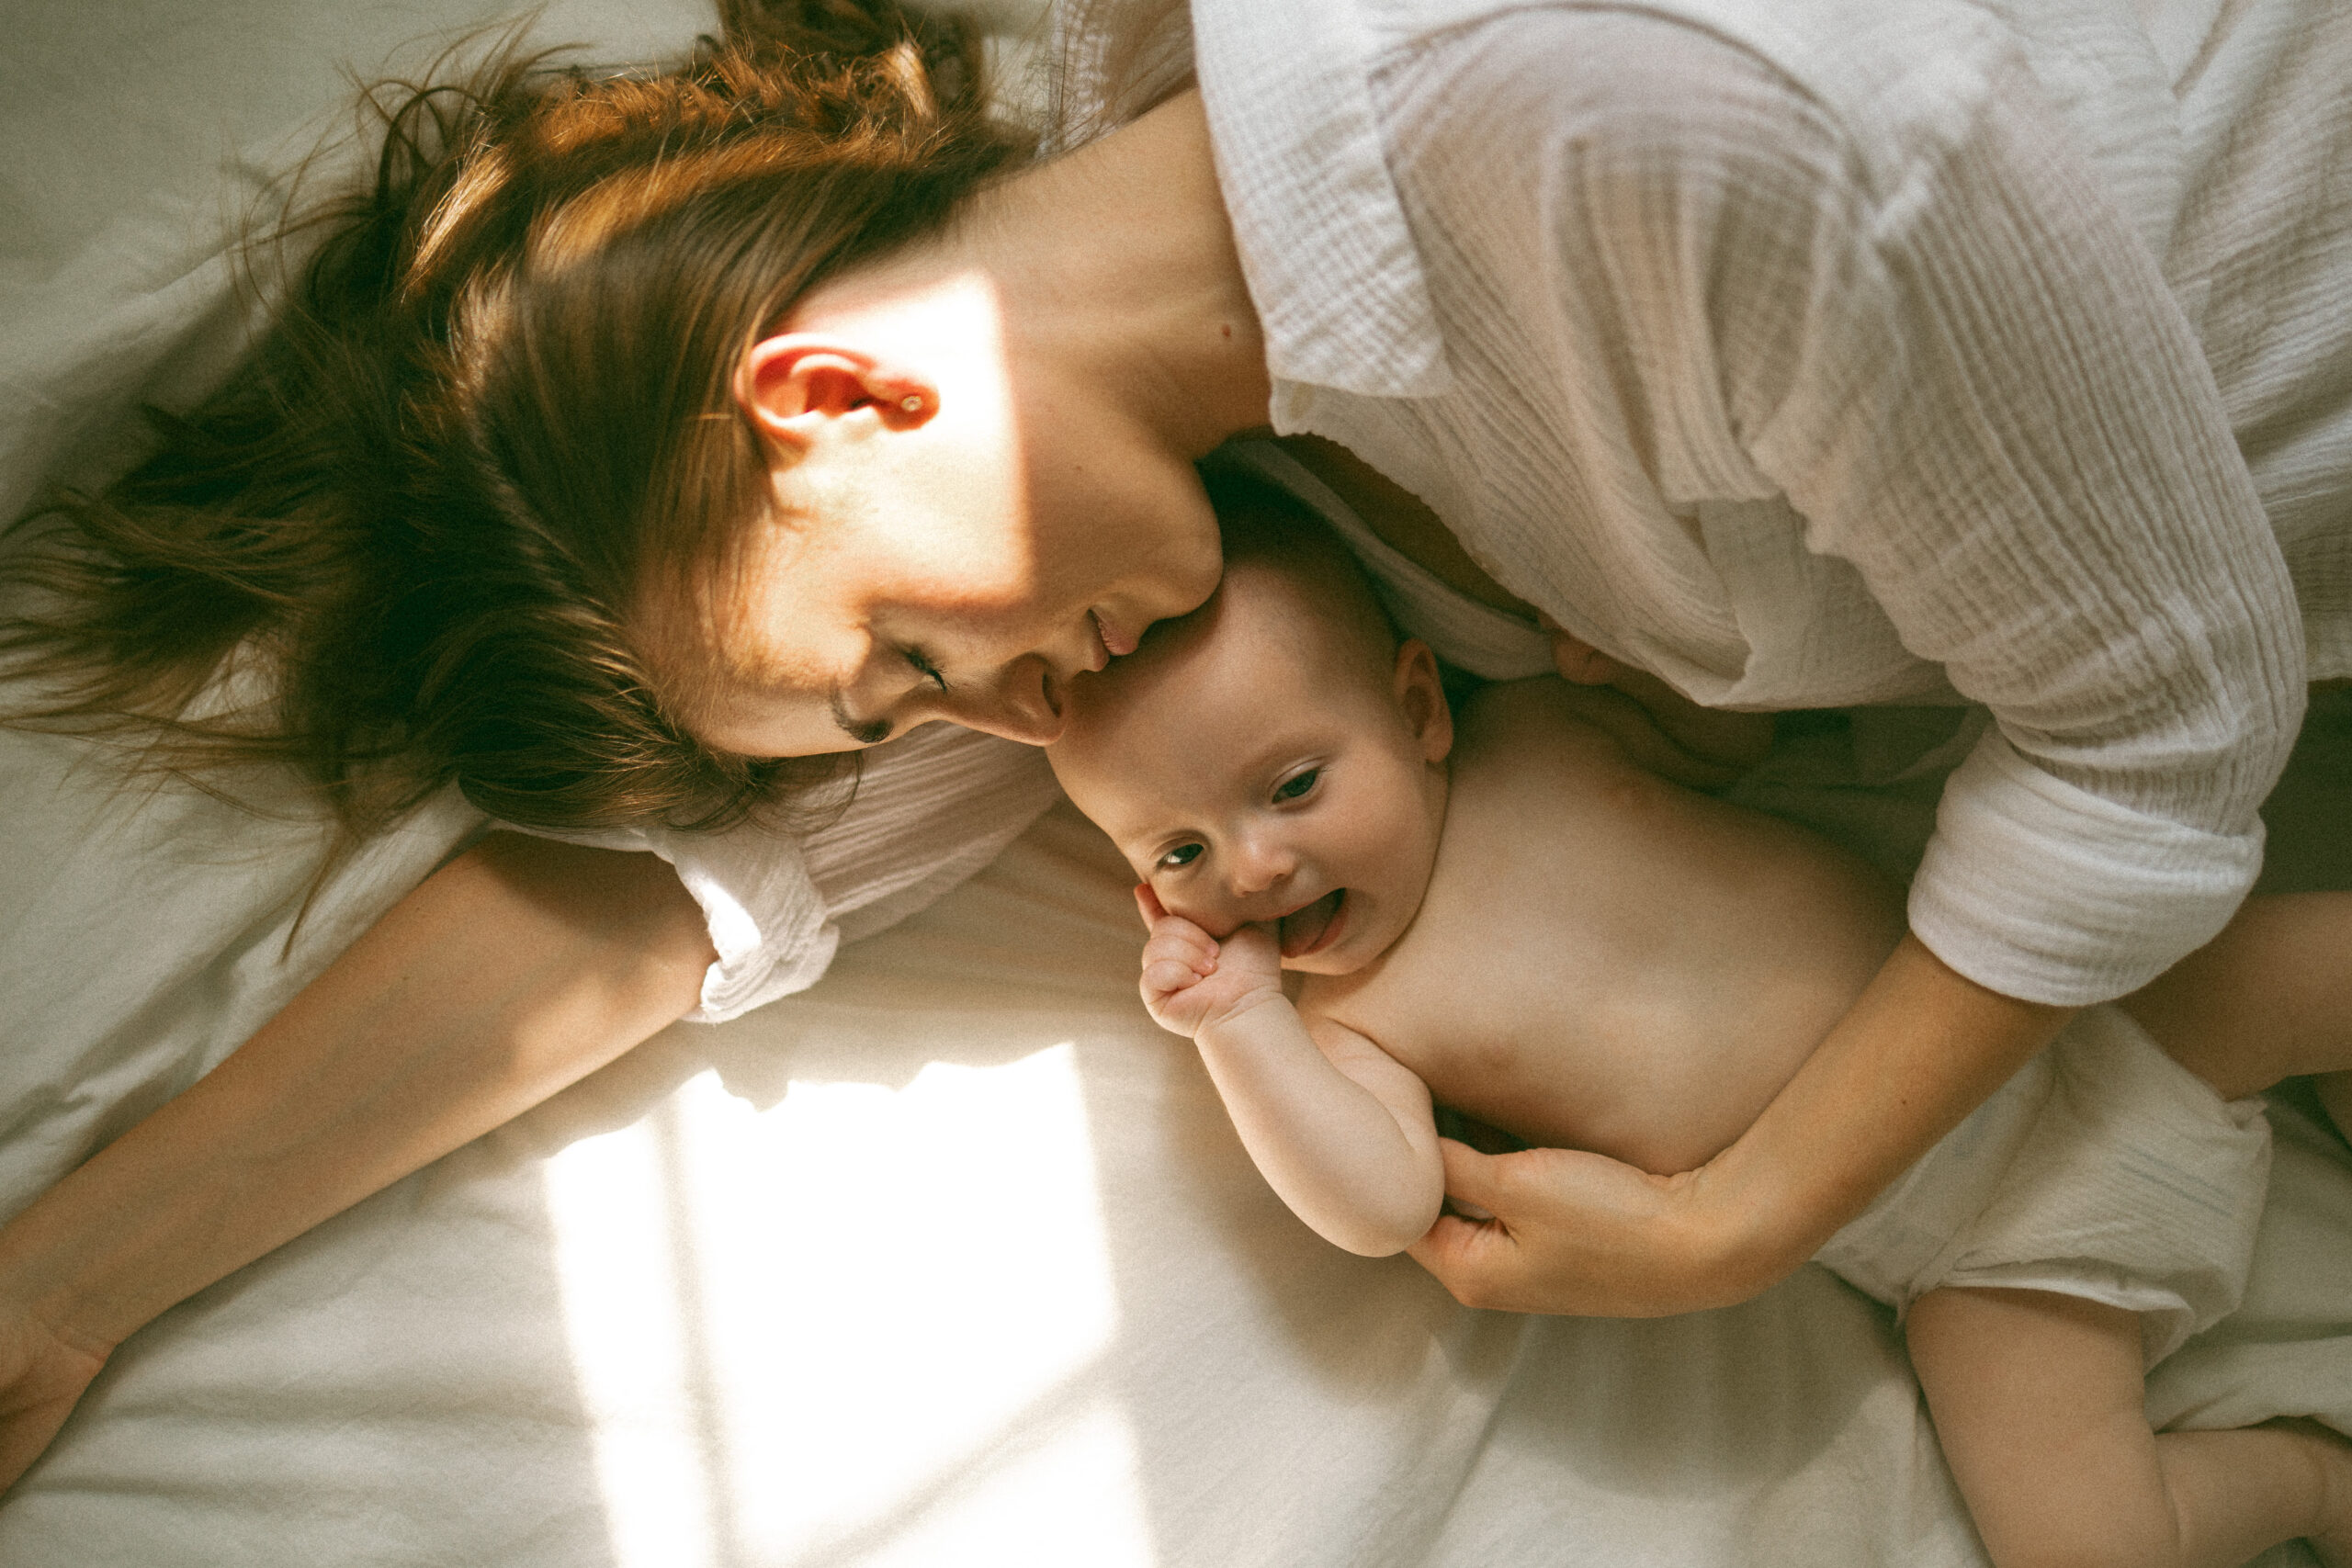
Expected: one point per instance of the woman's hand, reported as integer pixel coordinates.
(41, 1377)
(1577, 1232)
(1191, 981)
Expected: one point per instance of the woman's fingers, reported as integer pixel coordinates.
(42, 1379)
(1470, 1249)
(1570, 1233)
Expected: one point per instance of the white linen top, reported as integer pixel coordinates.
(931, 809)
(1828, 353)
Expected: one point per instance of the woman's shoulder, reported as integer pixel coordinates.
(1566, 72)
(1639, 156)
(1677, 90)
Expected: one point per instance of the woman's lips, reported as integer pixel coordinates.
(1313, 928)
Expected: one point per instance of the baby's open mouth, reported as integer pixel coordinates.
(1313, 928)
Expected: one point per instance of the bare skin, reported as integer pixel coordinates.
(1603, 961)
(406, 1049)
(1666, 1023)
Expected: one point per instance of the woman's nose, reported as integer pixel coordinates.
(1020, 705)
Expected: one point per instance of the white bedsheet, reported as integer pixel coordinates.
(955, 1260)
(952, 1260)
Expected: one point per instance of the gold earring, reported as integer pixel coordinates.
(911, 402)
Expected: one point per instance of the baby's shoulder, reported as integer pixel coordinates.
(1544, 727)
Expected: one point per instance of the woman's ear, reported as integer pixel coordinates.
(792, 383)
(1421, 697)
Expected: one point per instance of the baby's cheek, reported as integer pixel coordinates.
(1218, 923)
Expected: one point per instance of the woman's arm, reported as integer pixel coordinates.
(1578, 1233)
(514, 971)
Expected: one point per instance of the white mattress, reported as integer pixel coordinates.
(952, 1261)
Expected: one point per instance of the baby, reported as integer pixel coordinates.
(1507, 915)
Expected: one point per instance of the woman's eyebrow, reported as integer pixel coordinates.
(868, 732)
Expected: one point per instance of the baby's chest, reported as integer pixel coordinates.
(1502, 1029)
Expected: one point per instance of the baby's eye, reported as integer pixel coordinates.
(1182, 854)
(1298, 784)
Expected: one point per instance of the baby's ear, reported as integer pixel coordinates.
(1421, 697)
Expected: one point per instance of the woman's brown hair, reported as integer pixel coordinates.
(495, 412)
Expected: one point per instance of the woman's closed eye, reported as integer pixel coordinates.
(920, 663)
(1298, 786)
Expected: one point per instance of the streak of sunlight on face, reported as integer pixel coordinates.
(924, 542)
(861, 1320)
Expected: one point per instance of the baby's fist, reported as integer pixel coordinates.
(1191, 981)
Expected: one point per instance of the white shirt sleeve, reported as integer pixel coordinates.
(930, 809)
(1965, 374)
(2002, 421)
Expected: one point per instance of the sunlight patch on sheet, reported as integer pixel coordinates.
(1070, 1504)
(858, 1319)
(625, 1316)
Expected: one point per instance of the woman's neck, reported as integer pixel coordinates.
(1116, 278)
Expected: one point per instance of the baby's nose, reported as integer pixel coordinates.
(1256, 867)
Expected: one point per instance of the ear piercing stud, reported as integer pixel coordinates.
(911, 402)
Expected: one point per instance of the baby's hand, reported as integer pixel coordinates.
(1191, 981)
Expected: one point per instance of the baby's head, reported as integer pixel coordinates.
(1277, 755)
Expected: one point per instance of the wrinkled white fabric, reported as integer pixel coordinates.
(2102, 1170)
(930, 808)
(1825, 353)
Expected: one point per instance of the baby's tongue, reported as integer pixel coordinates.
(1300, 928)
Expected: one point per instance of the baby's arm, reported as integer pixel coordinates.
(1341, 1130)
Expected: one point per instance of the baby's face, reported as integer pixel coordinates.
(1263, 769)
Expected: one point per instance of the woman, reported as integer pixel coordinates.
(1793, 359)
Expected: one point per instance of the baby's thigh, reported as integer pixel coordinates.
(2037, 1399)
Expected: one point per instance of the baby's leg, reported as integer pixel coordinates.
(2269, 999)
(2037, 1399)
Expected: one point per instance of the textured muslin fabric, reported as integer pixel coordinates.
(2103, 1169)
(1824, 354)
(928, 809)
